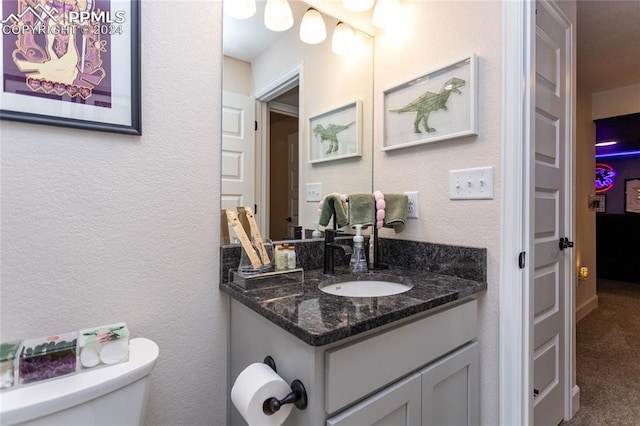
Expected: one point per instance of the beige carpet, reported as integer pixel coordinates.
(608, 358)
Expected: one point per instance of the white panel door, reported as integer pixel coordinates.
(551, 208)
(238, 151)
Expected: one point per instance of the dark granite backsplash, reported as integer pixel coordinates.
(464, 262)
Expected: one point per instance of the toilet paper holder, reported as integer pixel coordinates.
(297, 396)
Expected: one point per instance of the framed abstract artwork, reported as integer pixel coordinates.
(72, 63)
(336, 134)
(436, 106)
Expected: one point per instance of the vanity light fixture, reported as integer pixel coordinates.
(312, 28)
(357, 5)
(240, 9)
(385, 13)
(342, 39)
(278, 15)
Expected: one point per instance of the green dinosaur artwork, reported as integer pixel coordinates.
(430, 102)
(330, 133)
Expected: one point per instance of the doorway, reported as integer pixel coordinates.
(283, 168)
(278, 101)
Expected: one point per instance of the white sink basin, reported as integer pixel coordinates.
(365, 288)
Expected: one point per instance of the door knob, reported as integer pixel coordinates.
(565, 243)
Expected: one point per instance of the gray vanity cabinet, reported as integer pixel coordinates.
(444, 393)
(397, 405)
(450, 389)
(421, 370)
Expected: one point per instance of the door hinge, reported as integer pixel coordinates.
(255, 209)
(521, 259)
(256, 125)
(536, 392)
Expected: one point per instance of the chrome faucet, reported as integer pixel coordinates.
(330, 246)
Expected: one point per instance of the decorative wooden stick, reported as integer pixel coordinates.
(244, 240)
(256, 235)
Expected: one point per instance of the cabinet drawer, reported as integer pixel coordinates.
(358, 369)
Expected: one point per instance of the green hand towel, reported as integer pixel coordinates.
(395, 211)
(333, 205)
(362, 210)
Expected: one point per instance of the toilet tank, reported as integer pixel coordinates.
(114, 395)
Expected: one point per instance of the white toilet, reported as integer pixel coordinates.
(109, 396)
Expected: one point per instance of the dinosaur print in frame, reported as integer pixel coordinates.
(436, 106)
(336, 134)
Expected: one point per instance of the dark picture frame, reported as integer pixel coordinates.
(99, 87)
(632, 196)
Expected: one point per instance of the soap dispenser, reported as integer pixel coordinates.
(316, 231)
(358, 261)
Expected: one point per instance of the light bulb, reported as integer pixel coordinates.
(278, 15)
(357, 5)
(385, 13)
(312, 29)
(240, 9)
(342, 39)
(583, 272)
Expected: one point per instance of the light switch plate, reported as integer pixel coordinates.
(314, 191)
(471, 184)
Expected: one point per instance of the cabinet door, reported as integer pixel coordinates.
(396, 405)
(450, 395)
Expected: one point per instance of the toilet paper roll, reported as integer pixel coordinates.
(254, 385)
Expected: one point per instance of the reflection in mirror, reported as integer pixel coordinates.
(280, 82)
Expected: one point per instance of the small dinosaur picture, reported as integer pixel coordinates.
(336, 134)
(431, 102)
(329, 132)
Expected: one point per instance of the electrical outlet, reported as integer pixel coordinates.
(314, 191)
(412, 205)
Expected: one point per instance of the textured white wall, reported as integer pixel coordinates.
(100, 227)
(438, 33)
(620, 101)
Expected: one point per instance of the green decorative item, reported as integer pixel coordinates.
(336, 134)
(330, 133)
(444, 101)
(431, 102)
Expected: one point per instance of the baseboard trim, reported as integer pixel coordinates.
(575, 401)
(586, 308)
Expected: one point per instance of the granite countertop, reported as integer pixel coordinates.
(318, 318)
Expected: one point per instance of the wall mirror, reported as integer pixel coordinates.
(278, 84)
